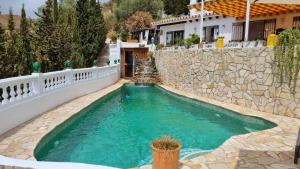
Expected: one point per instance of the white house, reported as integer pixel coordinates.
(229, 22)
(214, 25)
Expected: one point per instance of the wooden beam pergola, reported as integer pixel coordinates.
(237, 8)
(247, 8)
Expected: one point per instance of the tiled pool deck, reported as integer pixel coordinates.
(267, 149)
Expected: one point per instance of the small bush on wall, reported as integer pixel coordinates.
(287, 58)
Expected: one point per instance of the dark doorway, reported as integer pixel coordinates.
(211, 33)
(128, 64)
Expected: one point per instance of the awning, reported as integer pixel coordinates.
(279, 1)
(237, 8)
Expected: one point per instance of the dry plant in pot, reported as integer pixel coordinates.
(165, 153)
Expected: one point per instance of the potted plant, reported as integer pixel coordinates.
(165, 153)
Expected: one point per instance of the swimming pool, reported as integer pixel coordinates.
(117, 129)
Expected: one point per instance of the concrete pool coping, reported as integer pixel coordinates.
(271, 148)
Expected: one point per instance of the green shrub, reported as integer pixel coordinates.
(193, 39)
(287, 58)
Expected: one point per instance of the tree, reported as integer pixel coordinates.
(43, 35)
(91, 28)
(24, 48)
(11, 23)
(127, 7)
(55, 11)
(176, 7)
(3, 54)
(68, 19)
(138, 21)
(53, 39)
(11, 66)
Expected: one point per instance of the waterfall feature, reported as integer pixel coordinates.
(146, 72)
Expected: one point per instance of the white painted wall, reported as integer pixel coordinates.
(45, 96)
(114, 52)
(170, 28)
(225, 28)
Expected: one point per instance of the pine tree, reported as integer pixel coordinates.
(3, 54)
(11, 23)
(98, 28)
(68, 18)
(91, 28)
(102, 29)
(84, 34)
(24, 52)
(55, 11)
(176, 7)
(12, 65)
(43, 37)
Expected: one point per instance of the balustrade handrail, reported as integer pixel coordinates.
(14, 79)
(18, 88)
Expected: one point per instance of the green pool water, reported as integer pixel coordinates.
(117, 129)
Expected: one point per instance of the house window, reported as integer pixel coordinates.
(237, 31)
(270, 28)
(174, 37)
(296, 22)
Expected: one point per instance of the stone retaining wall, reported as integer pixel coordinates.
(241, 76)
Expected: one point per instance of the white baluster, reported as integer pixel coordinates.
(26, 90)
(5, 96)
(19, 92)
(52, 83)
(46, 86)
(59, 81)
(12, 93)
(30, 88)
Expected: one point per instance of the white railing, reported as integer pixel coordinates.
(22, 98)
(19, 88)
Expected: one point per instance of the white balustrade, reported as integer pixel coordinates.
(19, 88)
(53, 80)
(86, 74)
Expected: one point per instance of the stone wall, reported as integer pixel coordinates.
(241, 76)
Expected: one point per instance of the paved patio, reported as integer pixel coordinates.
(267, 149)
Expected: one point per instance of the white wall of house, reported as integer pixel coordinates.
(225, 28)
(170, 28)
(194, 12)
(114, 52)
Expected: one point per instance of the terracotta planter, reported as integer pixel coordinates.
(165, 159)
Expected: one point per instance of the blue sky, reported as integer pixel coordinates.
(16, 5)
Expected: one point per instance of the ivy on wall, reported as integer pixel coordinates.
(287, 58)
